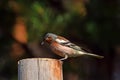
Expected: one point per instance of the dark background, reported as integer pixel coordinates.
(92, 24)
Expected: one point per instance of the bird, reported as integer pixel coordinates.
(65, 48)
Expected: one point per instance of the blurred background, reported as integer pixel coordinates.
(92, 24)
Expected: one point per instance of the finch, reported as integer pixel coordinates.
(64, 48)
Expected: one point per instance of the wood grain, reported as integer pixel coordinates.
(40, 69)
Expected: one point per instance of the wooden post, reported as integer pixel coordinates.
(40, 69)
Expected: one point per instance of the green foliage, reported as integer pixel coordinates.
(41, 19)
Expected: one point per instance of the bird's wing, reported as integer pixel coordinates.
(71, 45)
(65, 42)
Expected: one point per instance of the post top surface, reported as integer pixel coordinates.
(41, 59)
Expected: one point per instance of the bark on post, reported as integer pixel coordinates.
(40, 69)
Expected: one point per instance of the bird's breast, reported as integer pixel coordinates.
(61, 50)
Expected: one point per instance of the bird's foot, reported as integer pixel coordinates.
(62, 59)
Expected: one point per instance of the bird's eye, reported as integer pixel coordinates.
(48, 38)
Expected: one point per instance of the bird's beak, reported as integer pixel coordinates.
(42, 42)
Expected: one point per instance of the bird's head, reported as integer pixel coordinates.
(49, 37)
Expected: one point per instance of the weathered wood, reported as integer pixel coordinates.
(40, 69)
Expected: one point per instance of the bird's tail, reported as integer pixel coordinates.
(94, 55)
(90, 54)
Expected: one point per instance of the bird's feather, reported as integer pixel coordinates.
(68, 44)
